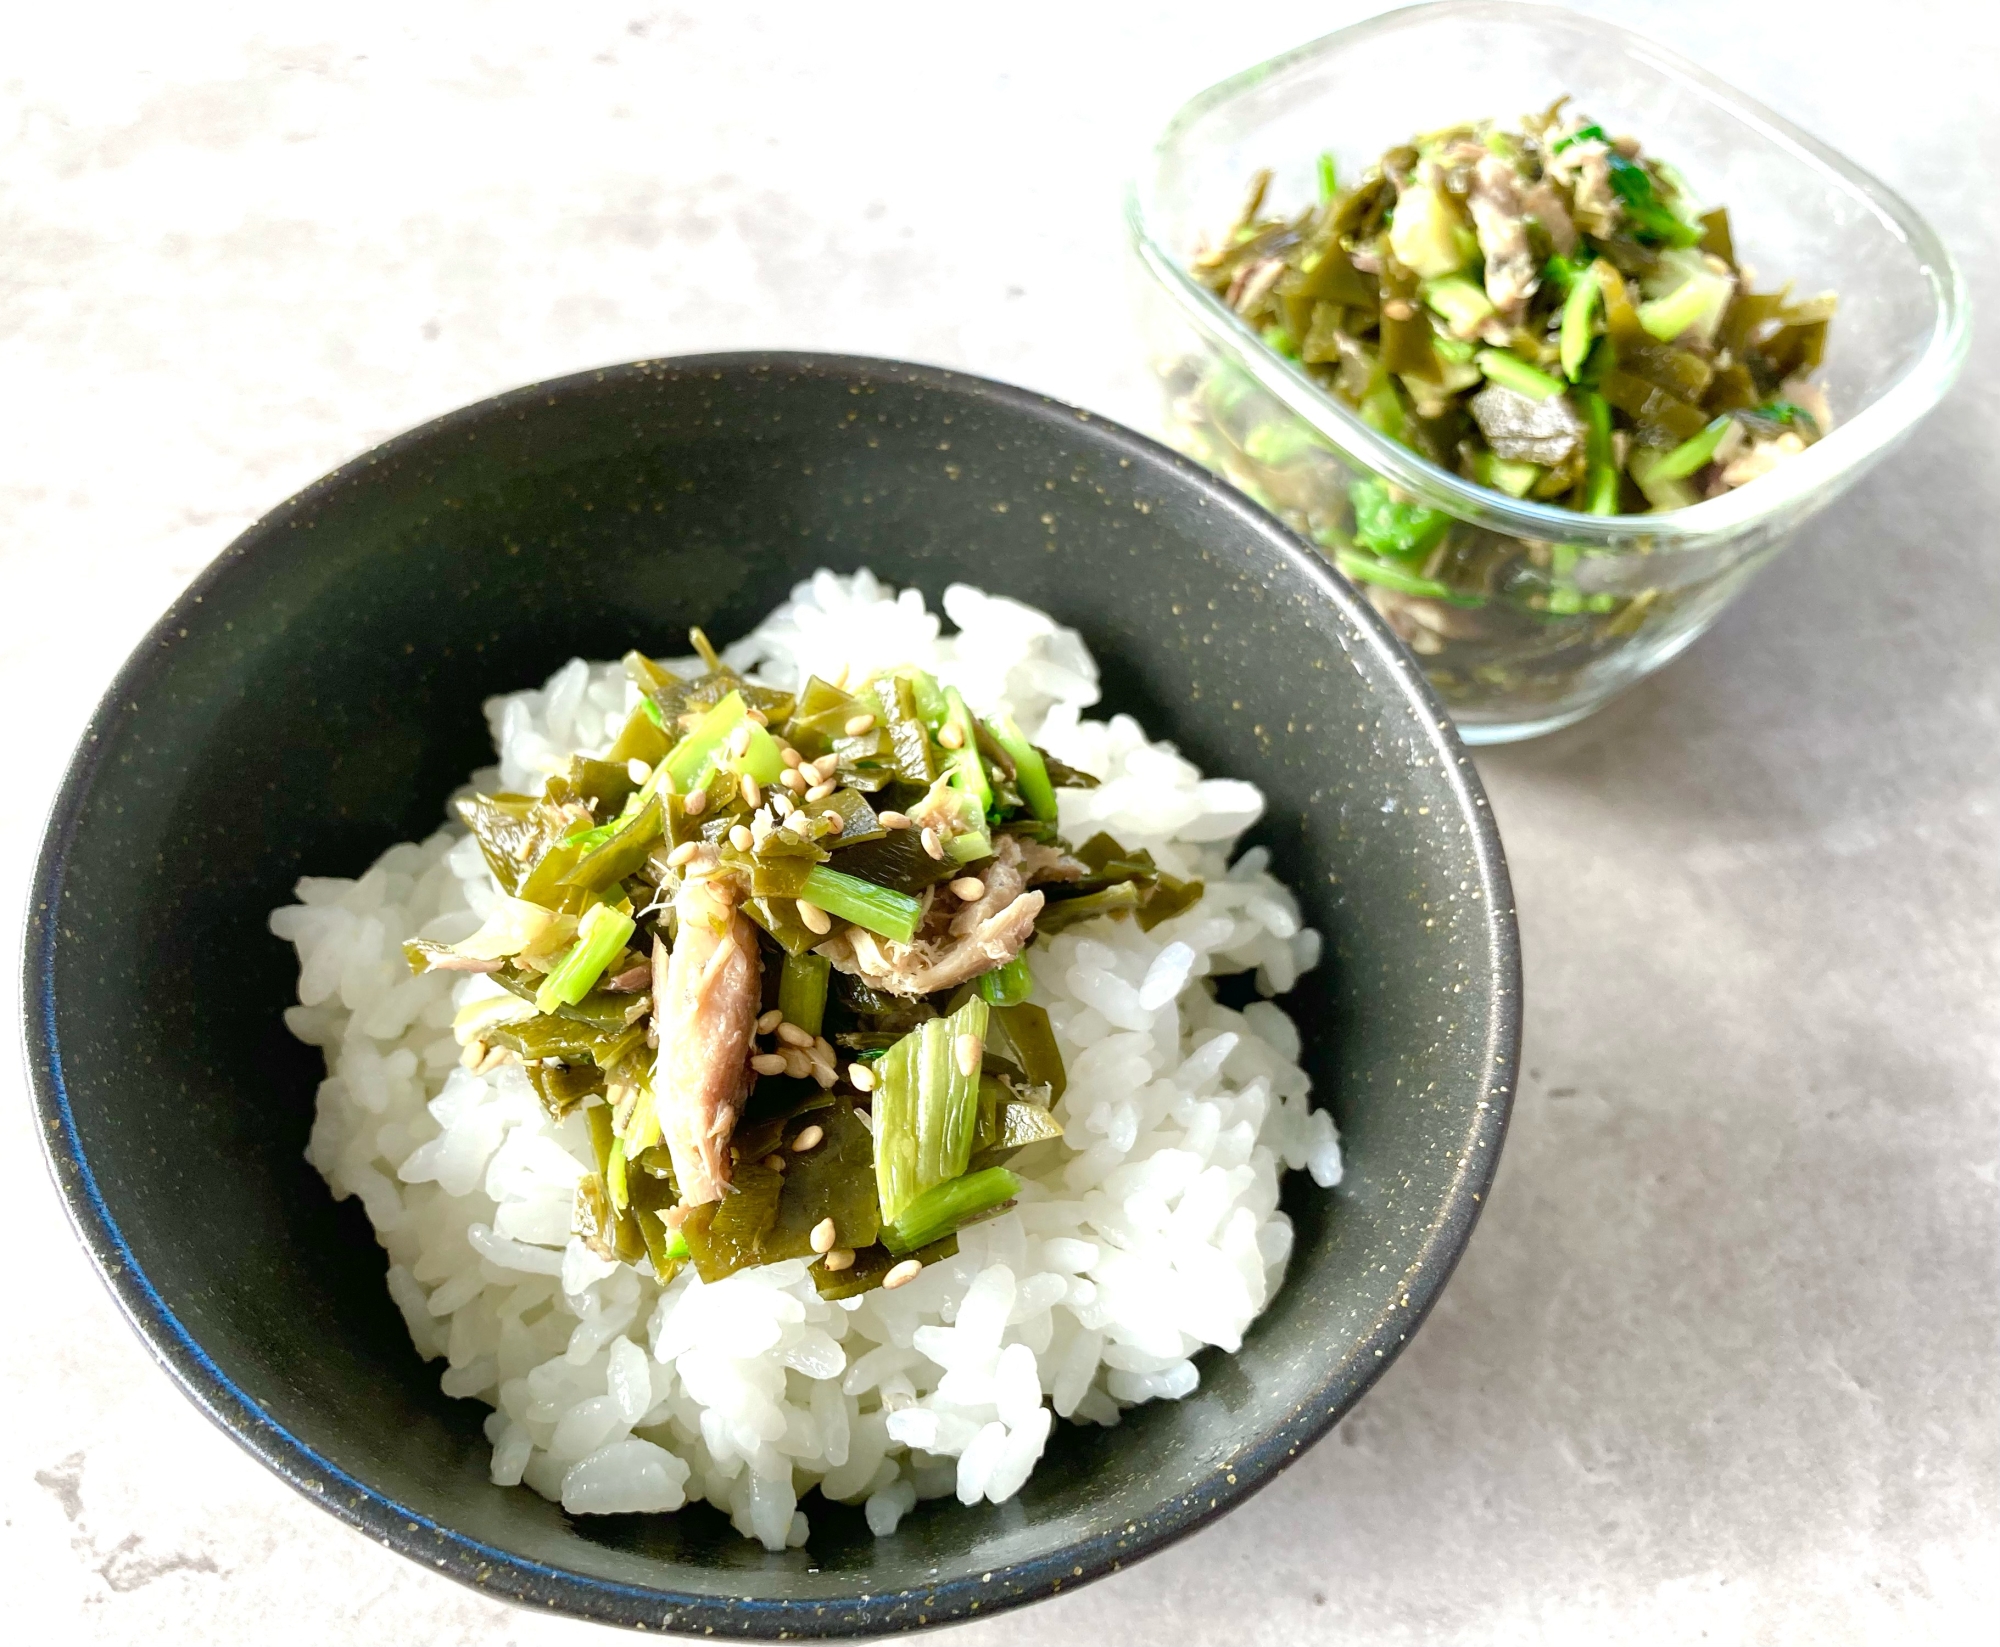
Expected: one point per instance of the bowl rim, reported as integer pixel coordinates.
(524, 1580)
(1811, 478)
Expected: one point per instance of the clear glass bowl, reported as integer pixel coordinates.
(1597, 602)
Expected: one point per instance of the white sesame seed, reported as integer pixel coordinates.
(808, 1139)
(797, 1064)
(932, 844)
(637, 770)
(825, 767)
(741, 838)
(775, 1162)
(892, 820)
(770, 1021)
(814, 918)
(697, 803)
(859, 725)
(793, 1036)
(752, 795)
(841, 1258)
(783, 805)
(901, 1275)
(683, 852)
(968, 1047)
(820, 791)
(834, 822)
(739, 740)
(768, 1063)
(952, 738)
(791, 778)
(792, 758)
(861, 1077)
(757, 717)
(824, 1235)
(968, 889)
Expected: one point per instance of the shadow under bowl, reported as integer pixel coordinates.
(315, 696)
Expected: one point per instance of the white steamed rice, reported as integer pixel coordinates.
(1150, 1231)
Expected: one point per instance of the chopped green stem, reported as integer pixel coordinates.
(1693, 453)
(969, 847)
(1008, 985)
(940, 1210)
(892, 914)
(1510, 371)
(1464, 305)
(1695, 304)
(968, 772)
(1516, 479)
(931, 703)
(1661, 491)
(1329, 178)
(688, 756)
(1579, 312)
(599, 938)
(802, 990)
(614, 1176)
(1031, 772)
(926, 1108)
(1367, 569)
(1600, 486)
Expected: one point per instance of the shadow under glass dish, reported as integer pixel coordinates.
(316, 696)
(1800, 213)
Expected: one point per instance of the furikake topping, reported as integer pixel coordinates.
(771, 947)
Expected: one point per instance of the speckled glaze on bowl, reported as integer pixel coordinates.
(315, 696)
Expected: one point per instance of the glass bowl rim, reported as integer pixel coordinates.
(1820, 470)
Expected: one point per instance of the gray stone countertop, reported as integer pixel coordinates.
(1721, 1362)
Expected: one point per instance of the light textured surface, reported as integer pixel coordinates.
(1721, 1363)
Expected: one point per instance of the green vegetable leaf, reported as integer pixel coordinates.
(1402, 530)
(1651, 220)
(1592, 133)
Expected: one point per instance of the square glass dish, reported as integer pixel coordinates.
(1587, 604)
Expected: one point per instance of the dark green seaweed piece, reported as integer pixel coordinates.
(622, 850)
(728, 1235)
(834, 1179)
(871, 1264)
(1121, 899)
(509, 829)
(895, 859)
(561, 1087)
(1169, 896)
(1024, 1031)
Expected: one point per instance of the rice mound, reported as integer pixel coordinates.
(1151, 1230)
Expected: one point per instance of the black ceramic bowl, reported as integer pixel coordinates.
(315, 696)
